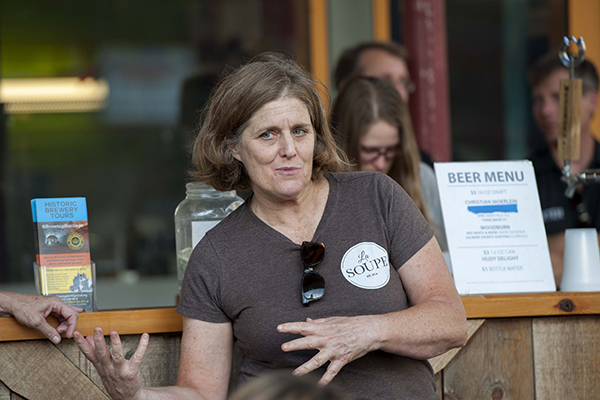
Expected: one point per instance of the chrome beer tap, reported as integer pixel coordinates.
(569, 120)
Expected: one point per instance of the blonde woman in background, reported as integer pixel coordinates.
(372, 124)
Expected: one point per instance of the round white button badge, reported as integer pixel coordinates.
(366, 265)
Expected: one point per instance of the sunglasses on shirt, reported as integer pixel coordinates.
(313, 283)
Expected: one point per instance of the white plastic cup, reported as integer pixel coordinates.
(581, 262)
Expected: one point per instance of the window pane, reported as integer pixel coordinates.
(124, 149)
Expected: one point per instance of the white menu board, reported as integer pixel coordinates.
(494, 226)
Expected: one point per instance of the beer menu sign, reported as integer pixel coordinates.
(494, 226)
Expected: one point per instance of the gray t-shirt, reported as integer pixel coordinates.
(247, 273)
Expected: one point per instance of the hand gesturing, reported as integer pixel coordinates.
(339, 340)
(121, 377)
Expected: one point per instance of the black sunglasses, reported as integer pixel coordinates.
(313, 284)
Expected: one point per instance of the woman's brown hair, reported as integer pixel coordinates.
(366, 101)
(267, 77)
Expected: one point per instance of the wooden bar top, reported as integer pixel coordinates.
(165, 320)
(531, 304)
(126, 322)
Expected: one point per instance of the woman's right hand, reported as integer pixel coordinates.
(121, 377)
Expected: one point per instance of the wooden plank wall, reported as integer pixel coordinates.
(527, 358)
(39, 370)
(35, 370)
(567, 351)
(505, 359)
(496, 363)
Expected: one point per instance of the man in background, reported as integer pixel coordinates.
(383, 60)
(560, 212)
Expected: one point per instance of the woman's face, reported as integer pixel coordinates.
(277, 149)
(379, 147)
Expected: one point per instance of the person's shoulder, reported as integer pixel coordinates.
(541, 158)
(228, 226)
(426, 158)
(596, 154)
(426, 171)
(361, 178)
(349, 176)
(364, 184)
(538, 152)
(428, 182)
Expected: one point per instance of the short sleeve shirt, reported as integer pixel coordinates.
(246, 273)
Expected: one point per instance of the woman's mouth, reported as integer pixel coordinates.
(287, 170)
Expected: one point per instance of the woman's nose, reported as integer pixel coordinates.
(288, 147)
(379, 162)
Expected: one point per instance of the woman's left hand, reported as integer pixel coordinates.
(340, 340)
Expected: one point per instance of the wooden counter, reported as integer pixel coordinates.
(163, 320)
(525, 346)
(126, 322)
(532, 305)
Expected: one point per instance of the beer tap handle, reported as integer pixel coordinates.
(569, 118)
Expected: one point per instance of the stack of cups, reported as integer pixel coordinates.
(581, 267)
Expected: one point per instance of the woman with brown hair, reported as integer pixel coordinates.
(372, 124)
(319, 272)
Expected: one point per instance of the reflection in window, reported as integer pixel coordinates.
(138, 73)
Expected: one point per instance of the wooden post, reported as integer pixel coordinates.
(3, 160)
(583, 21)
(425, 37)
(382, 29)
(319, 43)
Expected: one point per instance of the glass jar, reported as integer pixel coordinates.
(202, 209)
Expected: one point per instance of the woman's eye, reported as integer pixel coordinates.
(299, 132)
(369, 150)
(266, 135)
